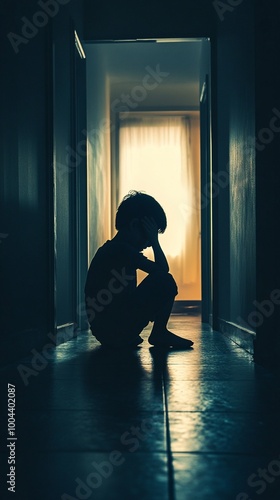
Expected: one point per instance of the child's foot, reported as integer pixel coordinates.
(169, 339)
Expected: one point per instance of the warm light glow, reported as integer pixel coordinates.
(157, 170)
(156, 158)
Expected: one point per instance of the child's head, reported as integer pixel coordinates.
(136, 205)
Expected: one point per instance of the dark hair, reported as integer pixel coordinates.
(135, 205)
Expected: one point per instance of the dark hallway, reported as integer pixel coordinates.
(78, 422)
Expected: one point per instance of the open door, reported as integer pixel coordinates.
(206, 205)
(69, 224)
(80, 141)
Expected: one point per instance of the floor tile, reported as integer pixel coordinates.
(223, 477)
(213, 395)
(218, 371)
(243, 433)
(111, 476)
(88, 431)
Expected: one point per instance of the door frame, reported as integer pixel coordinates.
(206, 206)
(78, 189)
(79, 119)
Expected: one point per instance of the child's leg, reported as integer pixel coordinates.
(153, 300)
(160, 335)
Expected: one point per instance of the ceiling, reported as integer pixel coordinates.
(170, 69)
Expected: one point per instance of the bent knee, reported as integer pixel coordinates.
(167, 283)
(172, 284)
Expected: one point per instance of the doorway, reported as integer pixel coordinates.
(127, 81)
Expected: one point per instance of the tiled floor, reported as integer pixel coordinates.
(92, 424)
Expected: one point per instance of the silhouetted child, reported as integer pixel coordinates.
(117, 308)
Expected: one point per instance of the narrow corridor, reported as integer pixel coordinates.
(94, 424)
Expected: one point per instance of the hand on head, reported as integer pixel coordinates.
(151, 228)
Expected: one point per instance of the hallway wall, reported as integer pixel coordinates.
(246, 211)
(267, 46)
(112, 20)
(25, 176)
(27, 295)
(234, 155)
(99, 167)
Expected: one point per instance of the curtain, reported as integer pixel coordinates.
(155, 156)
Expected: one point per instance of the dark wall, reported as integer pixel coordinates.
(267, 348)
(234, 155)
(246, 212)
(26, 184)
(24, 177)
(113, 20)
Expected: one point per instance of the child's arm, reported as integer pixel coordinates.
(151, 229)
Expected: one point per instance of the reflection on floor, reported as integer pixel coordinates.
(93, 424)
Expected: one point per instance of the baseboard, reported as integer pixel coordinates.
(244, 337)
(65, 333)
